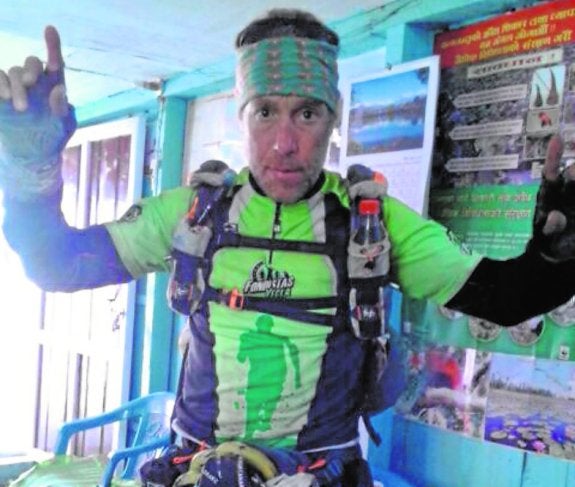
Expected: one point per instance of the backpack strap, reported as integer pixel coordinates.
(368, 270)
(203, 231)
(193, 246)
(294, 309)
(212, 181)
(360, 299)
(230, 238)
(368, 258)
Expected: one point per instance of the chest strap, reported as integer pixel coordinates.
(299, 309)
(229, 237)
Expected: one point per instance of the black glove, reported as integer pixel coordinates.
(554, 218)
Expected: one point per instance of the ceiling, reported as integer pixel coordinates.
(112, 46)
(117, 46)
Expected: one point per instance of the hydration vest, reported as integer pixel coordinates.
(206, 228)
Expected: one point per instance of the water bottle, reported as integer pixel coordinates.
(369, 230)
(368, 265)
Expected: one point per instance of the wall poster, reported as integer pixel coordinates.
(507, 85)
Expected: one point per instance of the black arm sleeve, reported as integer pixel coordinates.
(56, 256)
(508, 292)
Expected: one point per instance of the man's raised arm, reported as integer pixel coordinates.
(543, 277)
(36, 122)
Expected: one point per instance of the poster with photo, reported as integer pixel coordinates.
(507, 85)
(530, 405)
(388, 125)
(520, 402)
(447, 388)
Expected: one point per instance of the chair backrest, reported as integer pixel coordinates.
(149, 416)
(145, 423)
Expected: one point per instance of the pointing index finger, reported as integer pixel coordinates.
(55, 62)
(551, 168)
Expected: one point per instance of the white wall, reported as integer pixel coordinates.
(213, 132)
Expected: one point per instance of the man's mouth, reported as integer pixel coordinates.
(286, 174)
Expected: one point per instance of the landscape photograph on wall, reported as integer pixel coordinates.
(387, 113)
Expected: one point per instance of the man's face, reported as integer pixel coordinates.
(286, 143)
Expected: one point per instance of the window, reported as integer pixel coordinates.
(72, 351)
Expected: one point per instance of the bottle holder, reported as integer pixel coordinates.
(187, 284)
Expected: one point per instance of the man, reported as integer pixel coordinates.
(288, 103)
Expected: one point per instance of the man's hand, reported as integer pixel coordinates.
(32, 80)
(36, 122)
(554, 220)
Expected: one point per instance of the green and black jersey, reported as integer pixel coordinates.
(266, 378)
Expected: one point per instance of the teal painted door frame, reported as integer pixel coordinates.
(160, 329)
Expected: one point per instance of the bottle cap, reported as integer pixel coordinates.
(368, 207)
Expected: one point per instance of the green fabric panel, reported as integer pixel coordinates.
(267, 368)
(229, 270)
(248, 344)
(256, 217)
(296, 223)
(426, 259)
(68, 471)
(235, 268)
(143, 241)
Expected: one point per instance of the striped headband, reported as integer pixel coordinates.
(288, 66)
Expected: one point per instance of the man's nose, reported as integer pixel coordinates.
(286, 142)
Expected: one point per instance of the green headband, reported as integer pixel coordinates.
(288, 66)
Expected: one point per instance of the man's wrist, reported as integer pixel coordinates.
(30, 179)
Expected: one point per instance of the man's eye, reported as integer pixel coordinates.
(263, 112)
(307, 114)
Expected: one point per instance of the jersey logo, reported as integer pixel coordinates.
(266, 378)
(132, 214)
(268, 282)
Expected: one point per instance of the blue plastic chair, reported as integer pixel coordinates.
(150, 415)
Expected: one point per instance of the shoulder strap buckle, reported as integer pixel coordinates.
(235, 299)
